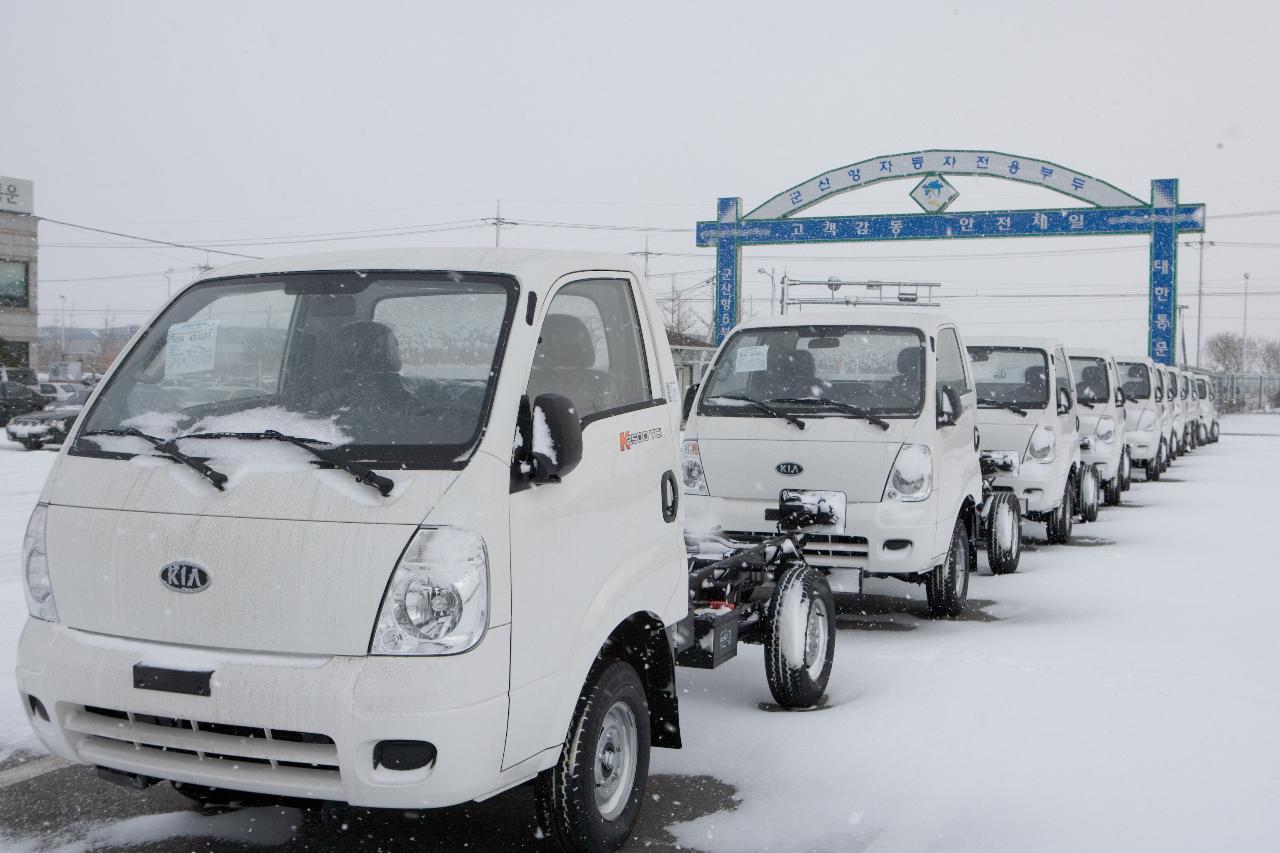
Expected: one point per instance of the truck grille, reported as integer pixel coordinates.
(276, 761)
(821, 550)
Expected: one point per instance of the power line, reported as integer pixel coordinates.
(144, 239)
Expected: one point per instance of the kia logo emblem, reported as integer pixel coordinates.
(789, 469)
(185, 577)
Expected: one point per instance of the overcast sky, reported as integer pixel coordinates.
(255, 121)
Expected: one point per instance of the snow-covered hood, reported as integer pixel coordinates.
(1001, 429)
(741, 456)
(60, 413)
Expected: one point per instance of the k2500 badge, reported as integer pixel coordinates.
(628, 440)
(185, 577)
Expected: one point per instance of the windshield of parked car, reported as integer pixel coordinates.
(390, 367)
(1135, 380)
(1092, 385)
(1202, 388)
(1005, 376)
(878, 369)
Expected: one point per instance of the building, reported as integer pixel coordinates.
(18, 328)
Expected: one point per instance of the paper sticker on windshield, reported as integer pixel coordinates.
(190, 347)
(751, 359)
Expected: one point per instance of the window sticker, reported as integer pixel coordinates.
(751, 359)
(190, 347)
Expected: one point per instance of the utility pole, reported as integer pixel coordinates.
(773, 286)
(1199, 308)
(497, 226)
(1186, 357)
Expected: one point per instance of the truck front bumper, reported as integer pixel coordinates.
(886, 537)
(1038, 486)
(283, 725)
(1143, 445)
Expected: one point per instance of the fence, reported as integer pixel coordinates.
(1242, 392)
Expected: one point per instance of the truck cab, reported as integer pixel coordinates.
(1177, 412)
(1208, 409)
(1144, 435)
(1026, 417)
(868, 411)
(433, 552)
(1103, 418)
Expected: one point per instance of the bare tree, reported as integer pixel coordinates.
(1225, 352)
(1269, 356)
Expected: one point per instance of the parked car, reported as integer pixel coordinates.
(1040, 438)
(390, 593)
(869, 414)
(1102, 421)
(1143, 385)
(20, 375)
(51, 425)
(17, 399)
(56, 392)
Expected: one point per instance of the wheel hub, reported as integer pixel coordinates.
(615, 764)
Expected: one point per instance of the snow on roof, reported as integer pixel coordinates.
(537, 266)
(1025, 341)
(923, 317)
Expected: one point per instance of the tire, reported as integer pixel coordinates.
(1058, 527)
(30, 445)
(1111, 491)
(1004, 534)
(947, 586)
(1126, 470)
(590, 800)
(1214, 434)
(1089, 488)
(800, 642)
(1155, 467)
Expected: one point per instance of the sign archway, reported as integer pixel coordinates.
(1111, 212)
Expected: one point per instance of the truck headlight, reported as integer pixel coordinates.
(1043, 444)
(35, 568)
(437, 602)
(1146, 421)
(695, 478)
(911, 478)
(1106, 429)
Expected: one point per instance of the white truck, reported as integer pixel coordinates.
(1177, 411)
(1144, 435)
(1102, 420)
(435, 554)
(1209, 429)
(866, 413)
(1027, 421)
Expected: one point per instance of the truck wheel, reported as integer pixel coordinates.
(1213, 433)
(1089, 494)
(1126, 470)
(1155, 466)
(590, 800)
(1004, 534)
(1058, 527)
(1111, 491)
(801, 639)
(947, 586)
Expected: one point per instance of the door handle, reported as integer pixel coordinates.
(670, 494)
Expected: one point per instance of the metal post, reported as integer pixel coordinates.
(1200, 303)
(497, 226)
(1244, 331)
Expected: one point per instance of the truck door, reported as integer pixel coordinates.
(583, 548)
(957, 445)
(1068, 422)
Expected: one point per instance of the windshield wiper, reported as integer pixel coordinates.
(764, 407)
(363, 473)
(996, 404)
(1084, 402)
(848, 408)
(169, 448)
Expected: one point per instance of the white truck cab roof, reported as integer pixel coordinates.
(872, 314)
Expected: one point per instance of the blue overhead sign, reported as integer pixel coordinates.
(1115, 213)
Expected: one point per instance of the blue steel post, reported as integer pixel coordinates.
(1163, 316)
(728, 268)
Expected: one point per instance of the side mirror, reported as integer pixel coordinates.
(1159, 396)
(948, 406)
(1064, 401)
(686, 408)
(550, 444)
(1121, 399)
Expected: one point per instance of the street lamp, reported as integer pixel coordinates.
(773, 287)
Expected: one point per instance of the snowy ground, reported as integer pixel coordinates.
(1118, 693)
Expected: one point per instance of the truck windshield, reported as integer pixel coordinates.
(1010, 376)
(387, 367)
(1202, 389)
(877, 369)
(1137, 380)
(1092, 385)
